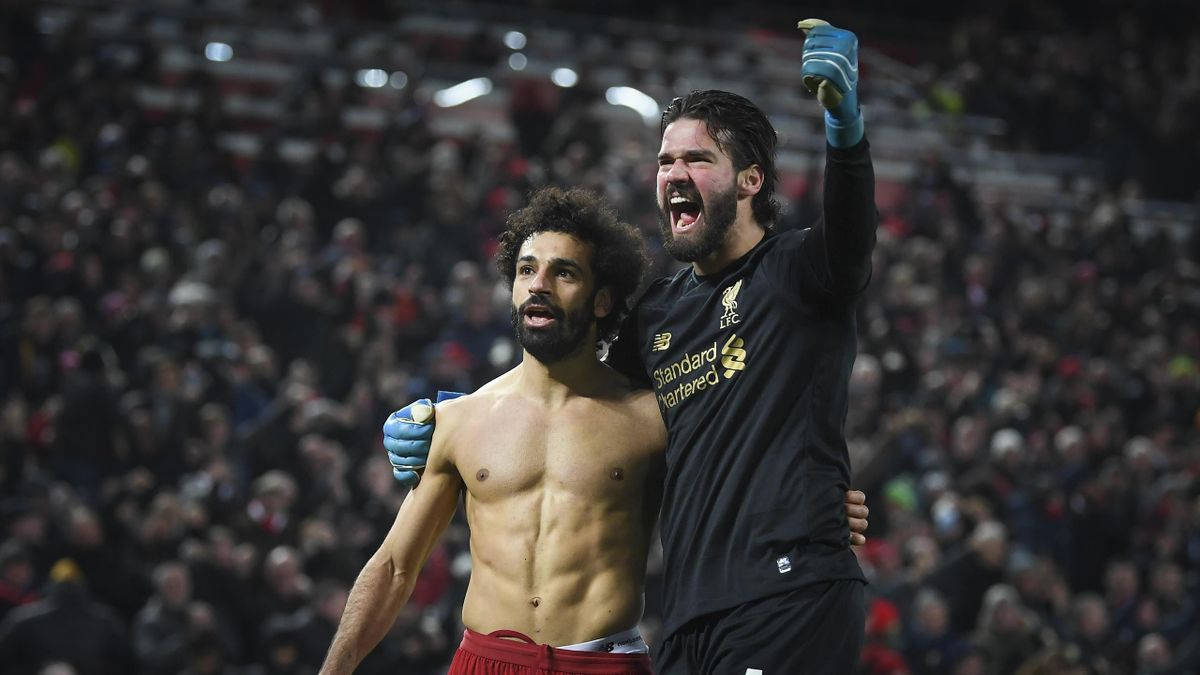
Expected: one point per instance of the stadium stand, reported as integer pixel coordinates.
(234, 236)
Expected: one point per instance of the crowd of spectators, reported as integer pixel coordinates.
(1117, 84)
(197, 351)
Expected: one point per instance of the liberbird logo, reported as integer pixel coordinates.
(733, 356)
(662, 341)
(729, 301)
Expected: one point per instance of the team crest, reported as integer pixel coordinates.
(729, 301)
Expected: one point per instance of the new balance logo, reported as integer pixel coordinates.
(733, 356)
(662, 342)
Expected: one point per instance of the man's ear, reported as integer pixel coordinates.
(750, 180)
(603, 305)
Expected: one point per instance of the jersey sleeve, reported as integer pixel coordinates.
(624, 355)
(832, 259)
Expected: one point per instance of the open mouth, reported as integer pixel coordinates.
(685, 211)
(538, 316)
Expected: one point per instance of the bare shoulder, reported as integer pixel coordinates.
(459, 413)
(638, 401)
(645, 406)
(640, 407)
(641, 402)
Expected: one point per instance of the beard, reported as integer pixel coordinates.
(718, 220)
(560, 339)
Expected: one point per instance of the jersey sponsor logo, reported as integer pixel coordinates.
(729, 301)
(687, 364)
(662, 342)
(733, 356)
(699, 370)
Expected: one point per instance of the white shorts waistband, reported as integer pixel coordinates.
(626, 642)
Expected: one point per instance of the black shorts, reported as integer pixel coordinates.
(814, 629)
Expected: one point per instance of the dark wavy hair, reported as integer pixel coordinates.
(741, 131)
(618, 250)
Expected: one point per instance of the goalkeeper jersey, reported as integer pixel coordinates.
(751, 367)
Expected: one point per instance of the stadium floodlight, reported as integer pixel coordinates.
(399, 79)
(517, 61)
(514, 39)
(462, 92)
(564, 77)
(218, 51)
(372, 78)
(639, 101)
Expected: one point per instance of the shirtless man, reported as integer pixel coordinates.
(561, 460)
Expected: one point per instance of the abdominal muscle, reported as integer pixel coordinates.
(557, 566)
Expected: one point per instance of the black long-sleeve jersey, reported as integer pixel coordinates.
(751, 368)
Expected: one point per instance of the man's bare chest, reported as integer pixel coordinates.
(596, 453)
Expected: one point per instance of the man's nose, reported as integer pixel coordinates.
(678, 172)
(540, 283)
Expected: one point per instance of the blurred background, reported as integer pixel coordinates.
(235, 235)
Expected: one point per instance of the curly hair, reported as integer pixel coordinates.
(618, 250)
(742, 131)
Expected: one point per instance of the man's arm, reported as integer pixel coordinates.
(387, 579)
(839, 251)
(407, 434)
(624, 354)
(850, 217)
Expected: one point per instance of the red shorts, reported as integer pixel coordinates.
(490, 655)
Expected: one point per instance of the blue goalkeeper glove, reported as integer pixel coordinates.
(829, 68)
(407, 435)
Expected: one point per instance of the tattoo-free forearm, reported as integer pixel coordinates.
(376, 598)
(388, 578)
